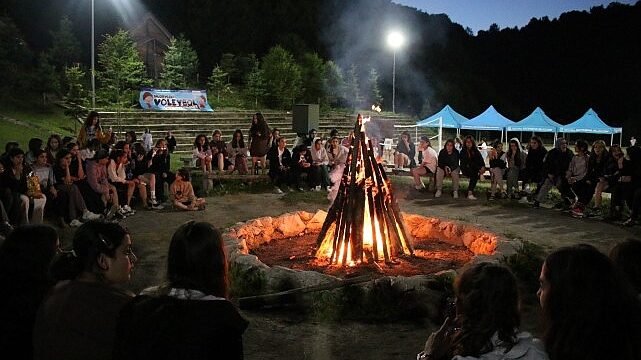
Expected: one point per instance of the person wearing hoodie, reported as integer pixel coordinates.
(448, 165)
(515, 160)
(472, 165)
(533, 171)
(555, 166)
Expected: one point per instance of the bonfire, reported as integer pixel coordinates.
(364, 224)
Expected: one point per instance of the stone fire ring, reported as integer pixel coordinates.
(244, 236)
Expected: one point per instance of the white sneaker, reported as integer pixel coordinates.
(438, 194)
(277, 190)
(419, 187)
(471, 196)
(317, 188)
(455, 194)
(88, 215)
(128, 210)
(75, 223)
(154, 201)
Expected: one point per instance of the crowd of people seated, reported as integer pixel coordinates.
(522, 173)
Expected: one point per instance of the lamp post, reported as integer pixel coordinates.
(93, 59)
(394, 40)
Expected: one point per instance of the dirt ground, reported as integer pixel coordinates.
(286, 335)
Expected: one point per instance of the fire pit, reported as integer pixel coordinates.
(363, 233)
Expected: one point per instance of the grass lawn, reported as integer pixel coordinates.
(42, 122)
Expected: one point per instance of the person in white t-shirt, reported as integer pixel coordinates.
(428, 164)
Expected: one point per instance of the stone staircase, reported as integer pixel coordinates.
(187, 125)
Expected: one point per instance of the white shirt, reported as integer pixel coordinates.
(147, 141)
(430, 158)
(116, 172)
(280, 155)
(320, 156)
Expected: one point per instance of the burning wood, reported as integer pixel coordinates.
(364, 224)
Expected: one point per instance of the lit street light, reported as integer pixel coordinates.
(394, 40)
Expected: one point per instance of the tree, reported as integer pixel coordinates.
(65, 47)
(352, 88)
(283, 77)
(122, 71)
(375, 96)
(255, 85)
(14, 57)
(180, 65)
(75, 97)
(45, 80)
(228, 65)
(333, 84)
(313, 72)
(217, 82)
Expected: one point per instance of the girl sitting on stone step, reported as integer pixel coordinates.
(182, 193)
(202, 154)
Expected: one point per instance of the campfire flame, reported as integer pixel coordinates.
(364, 222)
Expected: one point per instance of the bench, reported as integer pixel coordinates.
(187, 161)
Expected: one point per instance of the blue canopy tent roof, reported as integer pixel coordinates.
(450, 119)
(590, 123)
(490, 119)
(537, 121)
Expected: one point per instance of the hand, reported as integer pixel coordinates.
(68, 180)
(38, 195)
(54, 192)
(438, 344)
(448, 170)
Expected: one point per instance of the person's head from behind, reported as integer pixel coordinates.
(35, 144)
(26, 255)
(10, 145)
(589, 312)
(101, 252)
(487, 302)
(626, 257)
(196, 259)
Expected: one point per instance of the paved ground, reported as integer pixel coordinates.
(283, 335)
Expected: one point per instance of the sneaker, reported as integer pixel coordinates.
(577, 212)
(301, 189)
(629, 222)
(75, 223)
(156, 206)
(419, 187)
(277, 190)
(438, 194)
(5, 229)
(471, 196)
(153, 202)
(127, 209)
(455, 194)
(317, 188)
(121, 212)
(536, 204)
(88, 215)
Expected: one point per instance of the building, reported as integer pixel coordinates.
(152, 40)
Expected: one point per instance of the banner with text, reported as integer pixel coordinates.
(175, 100)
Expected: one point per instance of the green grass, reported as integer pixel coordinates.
(310, 197)
(35, 122)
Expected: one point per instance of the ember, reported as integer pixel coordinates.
(364, 224)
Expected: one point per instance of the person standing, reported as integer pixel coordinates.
(259, 141)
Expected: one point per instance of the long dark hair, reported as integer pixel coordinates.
(475, 149)
(539, 141)
(626, 256)
(90, 240)
(203, 147)
(235, 143)
(487, 302)
(589, 311)
(197, 260)
(90, 117)
(517, 154)
(51, 137)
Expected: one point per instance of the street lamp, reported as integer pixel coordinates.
(93, 58)
(394, 40)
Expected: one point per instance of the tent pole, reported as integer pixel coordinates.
(611, 139)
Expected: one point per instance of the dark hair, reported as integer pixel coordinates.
(92, 114)
(25, 258)
(15, 152)
(333, 133)
(626, 256)
(582, 145)
(54, 136)
(67, 139)
(425, 138)
(132, 134)
(34, 144)
(203, 147)
(146, 94)
(517, 155)
(196, 259)
(71, 145)
(487, 302)
(120, 145)
(449, 141)
(61, 155)
(37, 153)
(407, 133)
(116, 154)
(216, 132)
(538, 140)
(319, 140)
(138, 149)
(90, 240)
(589, 312)
(238, 143)
(10, 145)
(184, 173)
(274, 130)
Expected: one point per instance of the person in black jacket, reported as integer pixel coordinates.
(498, 164)
(405, 152)
(448, 165)
(302, 164)
(533, 172)
(160, 166)
(555, 166)
(171, 142)
(189, 317)
(472, 164)
(598, 163)
(280, 162)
